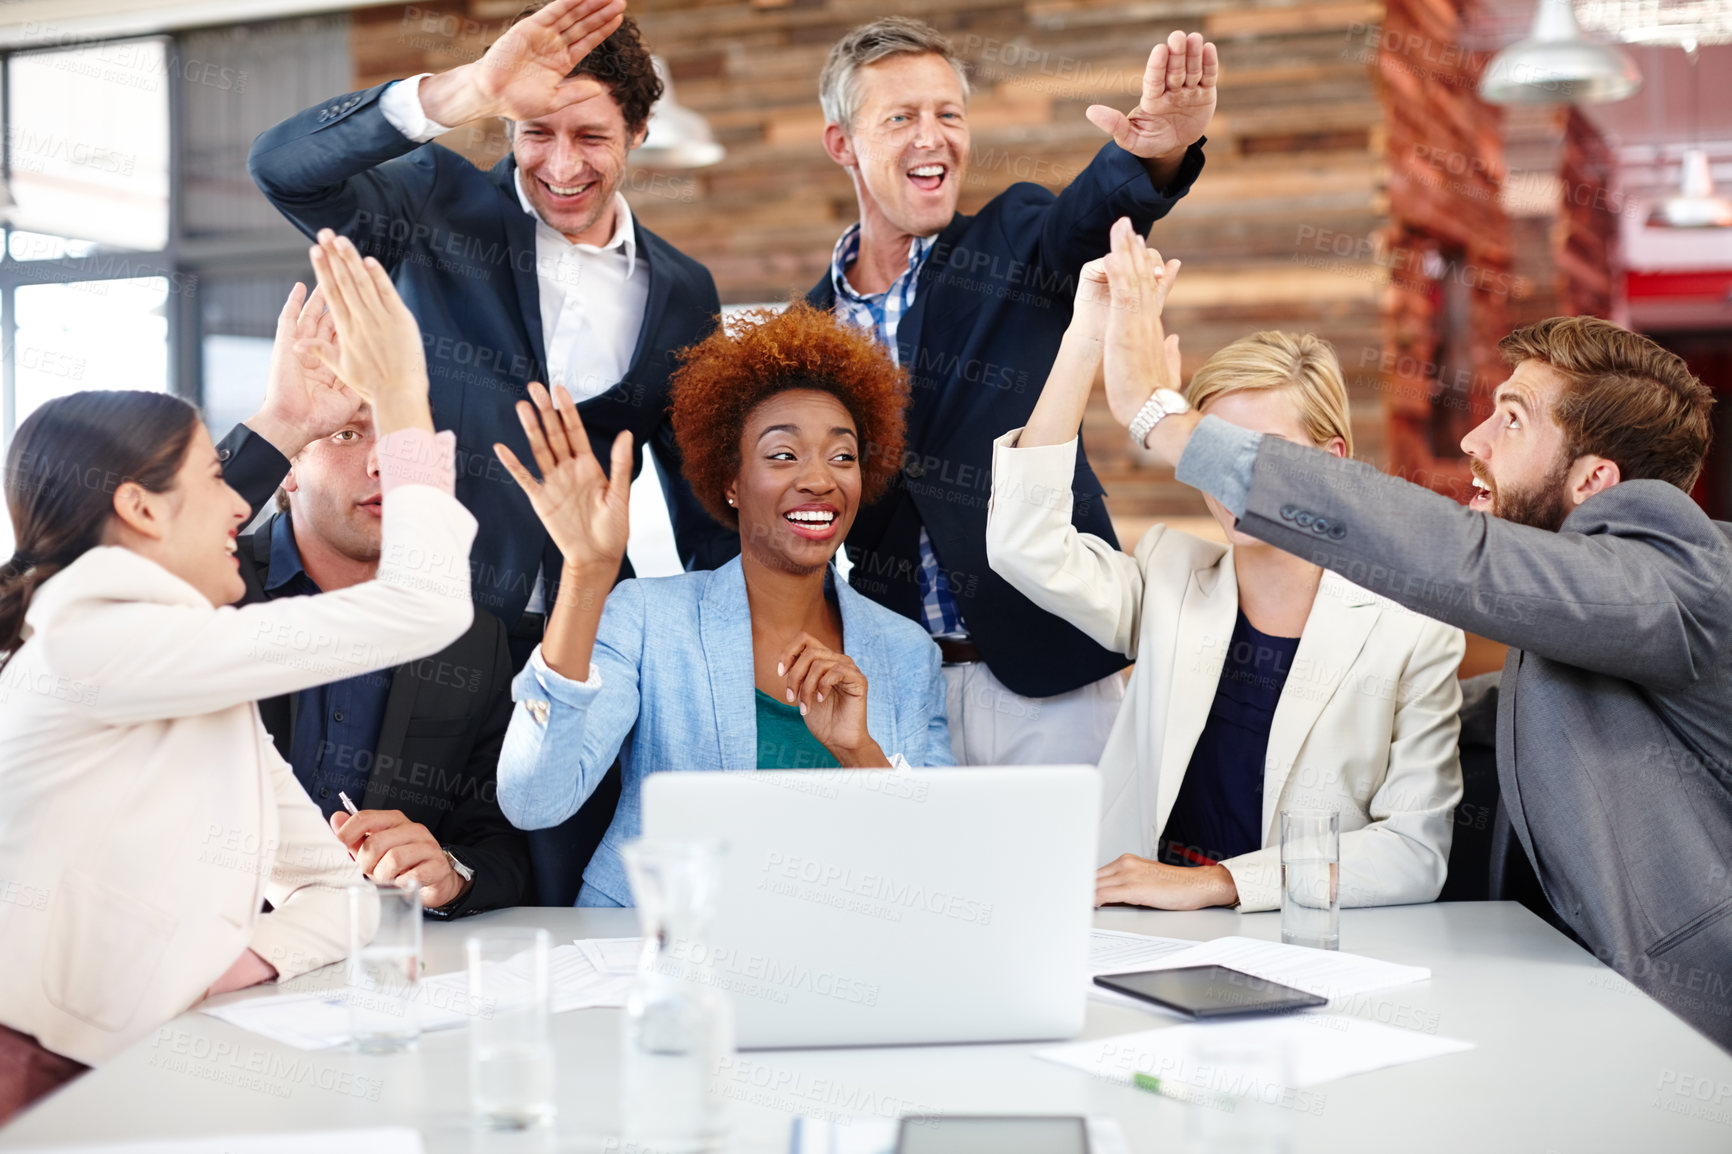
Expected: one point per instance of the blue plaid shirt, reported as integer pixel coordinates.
(881, 314)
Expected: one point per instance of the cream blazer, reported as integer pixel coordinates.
(1367, 721)
(145, 814)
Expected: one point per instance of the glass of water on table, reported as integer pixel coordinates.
(510, 1049)
(1311, 878)
(384, 966)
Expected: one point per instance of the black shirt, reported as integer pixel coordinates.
(1219, 811)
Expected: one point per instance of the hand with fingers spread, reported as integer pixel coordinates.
(304, 400)
(1139, 355)
(526, 73)
(378, 352)
(585, 510)
(831, 693)
(1178, 100)
(1137, 881)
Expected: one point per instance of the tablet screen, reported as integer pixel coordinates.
(963, 1135)
(1210, 991)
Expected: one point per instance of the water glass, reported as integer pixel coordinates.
(1311, 878)
(510, 1050)
(677, 1030)
(384, 967)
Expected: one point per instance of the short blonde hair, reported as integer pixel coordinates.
(839, 83)
(1303, 364)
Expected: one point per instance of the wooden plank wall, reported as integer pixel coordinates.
(1321, 162)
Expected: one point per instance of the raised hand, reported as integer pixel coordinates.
(1178, 100)
(304, 400)
(378, 351)
(1093, 300)
(1139, 356)
(526, 73)
(831, 693)
(586, 511)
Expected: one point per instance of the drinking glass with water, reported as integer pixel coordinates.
(1311, 878)
(510, 1050)
(678, 1028)
(384, 968)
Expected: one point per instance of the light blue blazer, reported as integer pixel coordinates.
(674, 660)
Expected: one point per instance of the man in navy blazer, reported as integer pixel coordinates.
(974, 308)
(534, 270)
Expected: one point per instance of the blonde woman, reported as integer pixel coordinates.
(1260, 683)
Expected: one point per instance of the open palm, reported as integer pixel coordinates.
(585, 510)
(1178, 101)
(303, 389)
(1138, 356)
(526, 73)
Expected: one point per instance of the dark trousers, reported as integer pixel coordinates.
(29, 1072)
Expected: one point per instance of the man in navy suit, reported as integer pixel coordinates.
(535, 270)
(974, 308)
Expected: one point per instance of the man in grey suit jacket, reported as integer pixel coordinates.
(1582, 550)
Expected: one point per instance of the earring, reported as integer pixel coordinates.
(730, 500)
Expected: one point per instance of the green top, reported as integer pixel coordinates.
(784, 742)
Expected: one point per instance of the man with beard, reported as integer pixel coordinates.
(1581, 550)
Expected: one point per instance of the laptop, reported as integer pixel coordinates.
(871, 907)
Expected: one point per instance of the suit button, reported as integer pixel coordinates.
(1303, 520)
(1320, 526)
(1336, 532)
(337, 716)
(1288, 512)
(915, 469)
(323, 792)
(224, 454)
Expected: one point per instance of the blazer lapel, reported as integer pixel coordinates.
(862, 644)
(725, 632)
(1205, 628)
(657, 301)
(393, 730)
(1341, 619)
(520, 242)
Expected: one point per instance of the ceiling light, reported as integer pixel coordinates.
(1557, 65)
(1696, 205)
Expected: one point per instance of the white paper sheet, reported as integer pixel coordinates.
(878, 1136)
(1327, 973)
(373, 1140)
(1311, 1048)
(1116, 952)
(585, 973)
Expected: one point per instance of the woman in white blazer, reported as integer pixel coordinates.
(145, 815)
(1260, 684)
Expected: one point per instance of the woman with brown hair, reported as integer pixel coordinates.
(145, 815)
(787, 423)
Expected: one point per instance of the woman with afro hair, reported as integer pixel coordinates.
(787, 424)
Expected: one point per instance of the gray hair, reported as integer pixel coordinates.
(838, 84)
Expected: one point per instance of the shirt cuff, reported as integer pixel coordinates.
(545, 674)
(1220, 460)
(417, 457)
(401, 104)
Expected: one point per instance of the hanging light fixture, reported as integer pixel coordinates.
(1696, 205)
(1557, 65)
(676, 137)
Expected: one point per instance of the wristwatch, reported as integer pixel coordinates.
(458, 867)
(462, 871)
(1162, 403)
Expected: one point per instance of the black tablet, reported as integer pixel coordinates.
(1210, 991)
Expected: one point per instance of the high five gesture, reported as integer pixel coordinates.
(1178, 102)
(526, 73)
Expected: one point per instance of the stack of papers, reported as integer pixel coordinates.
(1327, 973)
(1308, 1048)
(595, 972)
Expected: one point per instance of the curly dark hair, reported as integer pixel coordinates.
(622, 62)
(737, 367)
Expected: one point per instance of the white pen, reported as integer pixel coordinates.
(347, 804)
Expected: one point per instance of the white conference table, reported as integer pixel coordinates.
(1569, 1058)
